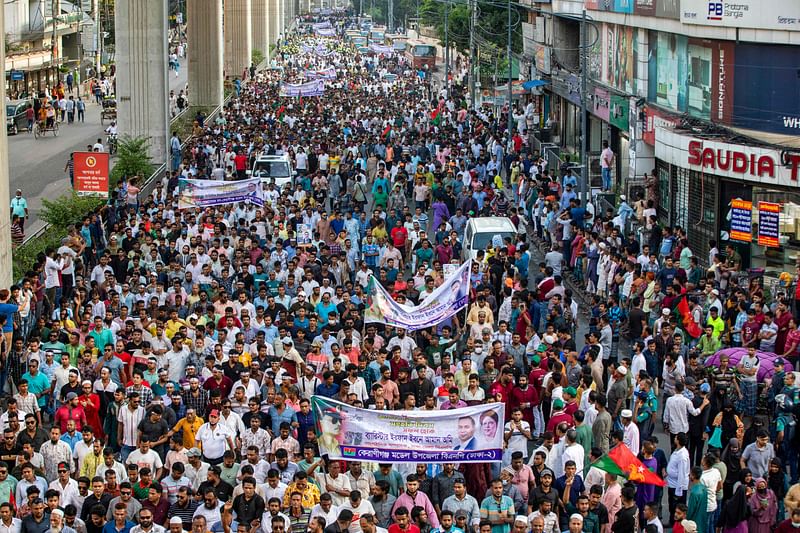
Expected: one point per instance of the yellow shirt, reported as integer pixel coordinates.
(172, 327)
(379, 233)
(90, 464)
(189, 430)
(310, 495)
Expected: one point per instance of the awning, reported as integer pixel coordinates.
(530, 84)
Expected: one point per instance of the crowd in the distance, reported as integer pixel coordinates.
(158, 366)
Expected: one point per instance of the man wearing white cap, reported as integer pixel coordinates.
(575, 523)
(176, 525)
(631, 435)
(57, 522)
(663, 319)
(618, 391)
(520, 524)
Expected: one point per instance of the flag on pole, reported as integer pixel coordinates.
(386, 131)
(621, 462)
(681, 309)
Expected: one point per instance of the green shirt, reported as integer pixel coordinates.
(492, 510)
(698, 506)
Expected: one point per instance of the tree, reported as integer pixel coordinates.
(133, 159)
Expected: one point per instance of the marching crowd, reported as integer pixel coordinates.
(158, 366)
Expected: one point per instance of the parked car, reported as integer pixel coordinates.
(15, 115)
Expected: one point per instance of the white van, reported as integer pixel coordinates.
(275, 169)
(480, 231)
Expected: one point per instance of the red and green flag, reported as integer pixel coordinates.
(280, 112)
(680, 308)
(386, 131)
(621, 462)
(436, 117)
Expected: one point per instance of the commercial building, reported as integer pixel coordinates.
(701, 92)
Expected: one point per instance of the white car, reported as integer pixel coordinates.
(275, 169)
(480, 231)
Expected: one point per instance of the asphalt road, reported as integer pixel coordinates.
(37, 166)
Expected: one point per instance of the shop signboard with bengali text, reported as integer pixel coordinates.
(769, 215)
(741, 220)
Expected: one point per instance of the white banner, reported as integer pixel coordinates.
(466, 435)
(207, 193)
(447, 300)
(758, 14)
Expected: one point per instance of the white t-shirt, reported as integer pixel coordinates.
(518, 441)
(214, 440)
(150, 460)
(710, 479)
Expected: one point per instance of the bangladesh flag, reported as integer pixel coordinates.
(386, 131)
(621, 461)
(436, 117)
(279, 114)
(680, 308)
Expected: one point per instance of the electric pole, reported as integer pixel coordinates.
(391, 17)
(447, 47)
(472, 13)
(508, 93)
(584, 138)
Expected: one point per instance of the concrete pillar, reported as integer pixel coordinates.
(281, 16)
(238, 36)
(204, 26)
(272, 20)
(260, 25)
(5, 193)
(142, 86)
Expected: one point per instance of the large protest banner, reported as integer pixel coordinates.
(311, 88)
(322, 74)
(447, 300)
(467, 435)
(207, 193)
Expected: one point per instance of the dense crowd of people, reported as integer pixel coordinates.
(158, 366)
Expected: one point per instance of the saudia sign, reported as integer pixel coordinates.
(735, 161)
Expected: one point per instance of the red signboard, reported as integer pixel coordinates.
(722, 81)
(654, 119)
(91, 173)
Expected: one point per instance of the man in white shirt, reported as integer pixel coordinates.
(677, 409)
(631, 431)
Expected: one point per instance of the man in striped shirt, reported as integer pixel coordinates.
(127, 431)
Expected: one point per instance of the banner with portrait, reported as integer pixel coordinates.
(466, 435)
(208, 193)
(322, 74)
(311, 88)
(447, 300)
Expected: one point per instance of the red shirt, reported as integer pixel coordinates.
(394, 528)
(240, 161)
(66, 413)
(399, 236)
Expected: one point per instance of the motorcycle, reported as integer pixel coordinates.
(111, 141)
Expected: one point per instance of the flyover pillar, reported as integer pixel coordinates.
(204, 26)
(142, 86)
(238, 36)
(5, 192)
(260, 25)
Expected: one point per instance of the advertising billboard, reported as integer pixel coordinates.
(91, 173)
(757, 14)
(694, 76)
(766, 88)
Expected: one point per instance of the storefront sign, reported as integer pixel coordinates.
(741, 220)
(759, 14)
(769, 215)
(601, 103)
(542, 55)
(653, 118)
(17, 75)
(761, 165)
(620, 109)
(723, 72)
(91, 173)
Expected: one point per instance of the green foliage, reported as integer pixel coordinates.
(133, 159)
(24, 257)
(67, 210)
(61, 213)
(491, 27)
(257, 56)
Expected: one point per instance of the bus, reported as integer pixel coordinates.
(420, 54)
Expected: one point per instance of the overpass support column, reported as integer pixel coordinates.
(205, 52)
(238, 36)
(260, 25)
(5, 193)
(142, 86)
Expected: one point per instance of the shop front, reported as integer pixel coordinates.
(735, 194)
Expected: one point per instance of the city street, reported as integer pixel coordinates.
(37, 166)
